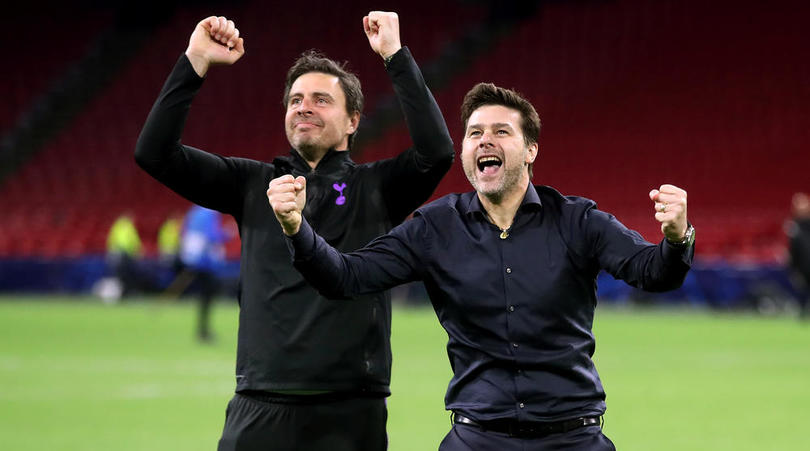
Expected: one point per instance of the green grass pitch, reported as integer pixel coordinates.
(76, 374)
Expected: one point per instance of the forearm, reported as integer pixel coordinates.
(626, 255)
(319, 263)
(160, 136)
(381, 265)
(200, 177)
(424, 119)
(658, 268)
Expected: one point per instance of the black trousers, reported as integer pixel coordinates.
(207, 284)
(464, 437)
(356, 424)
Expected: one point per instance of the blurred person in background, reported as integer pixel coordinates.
(511, 270)
(310, 374)
(798, 231)
(168, 241)
(124, 253)
(202, 254)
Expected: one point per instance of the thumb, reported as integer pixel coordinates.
(300, 184)
(240, 46)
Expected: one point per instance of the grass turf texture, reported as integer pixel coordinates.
(79, 375)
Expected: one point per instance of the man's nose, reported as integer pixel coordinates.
(486, 140)
(305, 107)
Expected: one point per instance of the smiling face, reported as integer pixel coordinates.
(494, 153)
(316, 118)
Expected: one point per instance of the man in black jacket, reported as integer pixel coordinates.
(798, 230)
(311, 374)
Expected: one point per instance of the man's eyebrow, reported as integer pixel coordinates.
(501, 125)
(316, 94)
(495, 125)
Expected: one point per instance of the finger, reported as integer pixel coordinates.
(207, 23)
(671, 189)
(653, 194)
(278, 199)
(240, 46)
(227, 34)
(222, 24)
(287, 178)
(300, 183)
(373, 21)
(666, 217)
(233, 38)
(669, 198)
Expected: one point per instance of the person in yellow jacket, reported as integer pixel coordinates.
(123, 254)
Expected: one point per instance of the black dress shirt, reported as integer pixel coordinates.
(518, 311)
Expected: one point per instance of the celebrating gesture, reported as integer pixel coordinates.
(215, 40)
(382, 30)
(670, 211)
(288, 196)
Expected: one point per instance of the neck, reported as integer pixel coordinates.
(501, 209)
(314, 156)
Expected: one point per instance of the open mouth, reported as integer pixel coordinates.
(489, 164)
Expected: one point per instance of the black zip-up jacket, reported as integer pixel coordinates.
(290, 337)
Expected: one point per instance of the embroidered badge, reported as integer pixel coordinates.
(341, 198)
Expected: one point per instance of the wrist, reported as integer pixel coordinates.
(686, 240)
(388, 56)
(198, 62)
(291, 229)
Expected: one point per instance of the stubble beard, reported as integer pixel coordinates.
(509, 181)
(309, 147)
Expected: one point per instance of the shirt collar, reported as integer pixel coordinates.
(530, 200)
(330, 158)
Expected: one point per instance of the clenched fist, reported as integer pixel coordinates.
(215, 40)
(670, 211)
(288, 196)
(382, 31)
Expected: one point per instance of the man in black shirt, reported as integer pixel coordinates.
(311, 374)
(511, 271)
(798, 231)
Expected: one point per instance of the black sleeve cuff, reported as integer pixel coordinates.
(675, 253)
(302, 244)
(399, 61)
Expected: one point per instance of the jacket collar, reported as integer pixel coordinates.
(331, 160)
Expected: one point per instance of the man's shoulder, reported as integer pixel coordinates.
(449, 204)
(549, 196)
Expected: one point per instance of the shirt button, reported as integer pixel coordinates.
(511, 308)
(509, 270)
(522, 405)
(514, 345)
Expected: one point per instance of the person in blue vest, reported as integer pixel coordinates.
(202, 253)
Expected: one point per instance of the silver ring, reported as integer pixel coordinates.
(663, 208)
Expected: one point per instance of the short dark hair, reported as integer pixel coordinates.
(484, 94)
(314, 61)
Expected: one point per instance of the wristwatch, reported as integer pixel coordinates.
(688, 238)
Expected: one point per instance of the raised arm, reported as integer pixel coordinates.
(203, 178)
(388, 261)
(414, 174)
(627, 256)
